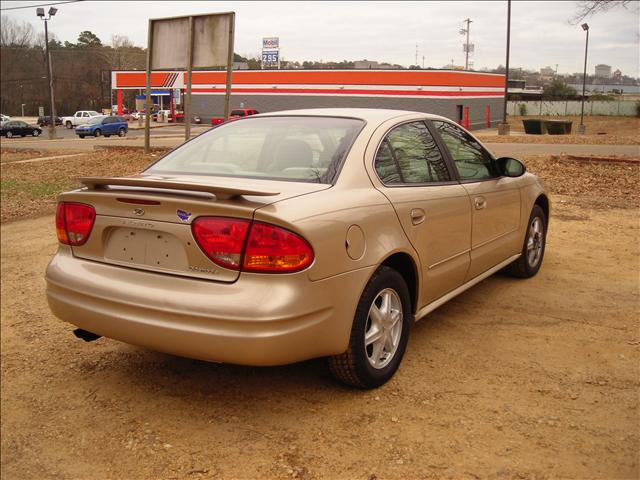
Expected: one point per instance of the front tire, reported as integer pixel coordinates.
(97, 133)
(69, 125)
(36, 133)
(81, 136)
(379, 333)
(122, 132)
(535, 242)
(9, 134)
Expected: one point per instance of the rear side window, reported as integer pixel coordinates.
(409, 155)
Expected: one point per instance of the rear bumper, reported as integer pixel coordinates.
(258, 320)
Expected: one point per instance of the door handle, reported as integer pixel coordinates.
(480, 203)
(417, 216)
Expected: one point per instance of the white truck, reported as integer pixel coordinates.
(79, 118)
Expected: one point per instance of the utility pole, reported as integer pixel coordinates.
(468, 21)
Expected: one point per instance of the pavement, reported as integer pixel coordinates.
(173, 135)
(523, 149)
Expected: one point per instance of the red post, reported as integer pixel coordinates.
(171, 107)
(487, 112)
(465, 119)
(120, 109)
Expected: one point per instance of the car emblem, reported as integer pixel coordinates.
(184, 216)
(138, 211)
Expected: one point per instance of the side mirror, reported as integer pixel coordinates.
(510, 167)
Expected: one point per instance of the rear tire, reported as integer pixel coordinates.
(97, 133)
(69, 125)
(379, 333)
(533, 249)
(36, 133)
(122, 132)
(81, 136)
(9, 134)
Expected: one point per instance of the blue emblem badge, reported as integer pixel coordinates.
(184, 216)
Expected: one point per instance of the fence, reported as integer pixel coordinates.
(625, 108)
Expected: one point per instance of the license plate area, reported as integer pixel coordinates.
(139, 247)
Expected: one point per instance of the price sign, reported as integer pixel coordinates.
(270, 58)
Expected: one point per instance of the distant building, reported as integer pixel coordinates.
(240, 66)
(371, 65)
(452, 66)
(603, 71)
(547, 72)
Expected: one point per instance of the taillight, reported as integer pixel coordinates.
(221, 239)
(74, 222)
(272, 249)
(268, 249)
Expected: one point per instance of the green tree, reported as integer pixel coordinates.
(88, 39)
(558, 89)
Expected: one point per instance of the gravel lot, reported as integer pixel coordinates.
(513, 379)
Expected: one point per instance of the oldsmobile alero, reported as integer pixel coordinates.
(295, 235)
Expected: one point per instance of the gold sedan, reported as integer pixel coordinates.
(295, 235)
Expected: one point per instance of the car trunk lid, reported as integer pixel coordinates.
(144, 221)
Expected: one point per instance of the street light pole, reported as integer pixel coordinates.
(503, 128)
(52, 107)
(582, 129)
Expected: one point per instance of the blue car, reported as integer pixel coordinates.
(103, 125)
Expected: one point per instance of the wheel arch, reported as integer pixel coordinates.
(543, 202)
(405, 265)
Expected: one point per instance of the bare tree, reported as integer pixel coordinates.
(587, 8)
(121, 41)
(14, 34)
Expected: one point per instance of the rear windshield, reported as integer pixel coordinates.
(303, 149)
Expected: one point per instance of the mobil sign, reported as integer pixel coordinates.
(271, 43)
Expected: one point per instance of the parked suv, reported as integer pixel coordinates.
(103, 125)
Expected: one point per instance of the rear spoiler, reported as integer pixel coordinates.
(221, 192)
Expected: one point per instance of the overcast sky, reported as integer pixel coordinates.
(541, 34)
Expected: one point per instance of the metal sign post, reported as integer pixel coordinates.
(147, 125)
(187, 98)
(227, 92)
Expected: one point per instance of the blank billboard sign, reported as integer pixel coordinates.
(171, 37)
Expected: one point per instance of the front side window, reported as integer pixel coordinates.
(471, 160)
(409, 154)
(297, 148)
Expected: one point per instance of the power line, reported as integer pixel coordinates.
(41, 5)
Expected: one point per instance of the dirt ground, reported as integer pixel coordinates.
(603, 130)
(513, 379)
(524, 379)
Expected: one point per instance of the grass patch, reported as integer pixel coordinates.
(33, 189)
(30, 189)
